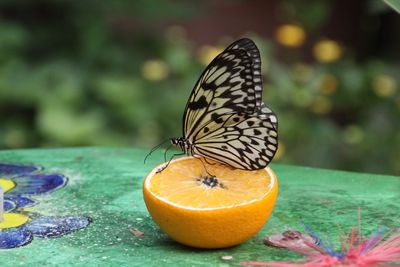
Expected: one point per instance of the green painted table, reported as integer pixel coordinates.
(105, 184)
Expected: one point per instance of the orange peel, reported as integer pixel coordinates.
(204, 211)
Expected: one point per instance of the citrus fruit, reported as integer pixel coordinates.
(218, 209)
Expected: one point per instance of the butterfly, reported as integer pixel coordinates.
(225, 119)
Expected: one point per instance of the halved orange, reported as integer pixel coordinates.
(218, 209)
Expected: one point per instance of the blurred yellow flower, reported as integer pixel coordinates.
(290, 35)
(155, 70)
(327, 51)
(207, 53)
(384, 85)
(321, 105)
(302, 72)
(328, 84)
(280, 152)
(353, 134)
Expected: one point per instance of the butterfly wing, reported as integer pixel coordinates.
(251, 49)
(230, 84)
(225, 118)
(242, 141)
(265, 113)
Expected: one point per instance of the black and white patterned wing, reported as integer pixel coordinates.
(225, 118)
(265, 113)
(242, 141)
(251, 49)
(230, 84)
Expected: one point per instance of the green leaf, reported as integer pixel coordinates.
(395, 4)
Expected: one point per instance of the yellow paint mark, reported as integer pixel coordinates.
(11, 220)
(6, 184)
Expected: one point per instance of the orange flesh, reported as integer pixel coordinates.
(181, 184)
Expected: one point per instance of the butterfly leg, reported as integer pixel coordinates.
(209, 163)
(204, 166)
(165, 153)
(169, 161)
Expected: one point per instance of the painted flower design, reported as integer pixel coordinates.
(20, 183)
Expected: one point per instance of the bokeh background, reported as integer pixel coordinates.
(118, 73)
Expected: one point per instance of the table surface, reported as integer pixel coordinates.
(105, 184)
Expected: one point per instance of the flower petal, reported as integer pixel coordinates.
(9, 205)
(56, 226)
(33, 184)
(13, 238)
(11, 169)
(21, 202)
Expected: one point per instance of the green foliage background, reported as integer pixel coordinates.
(71, 74)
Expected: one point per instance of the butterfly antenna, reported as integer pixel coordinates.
(154, 149)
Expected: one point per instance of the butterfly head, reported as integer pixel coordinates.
(182, 143)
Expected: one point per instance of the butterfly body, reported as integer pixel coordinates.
(225, 118)
(185, 145)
